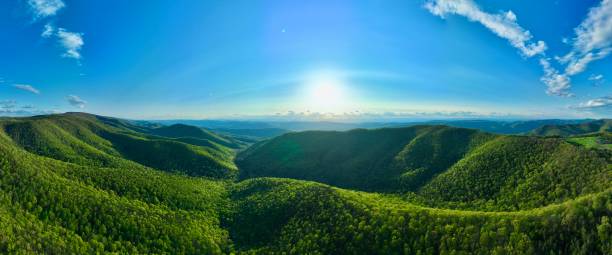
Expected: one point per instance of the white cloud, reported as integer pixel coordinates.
(558, 84)
(48, 32)
(76, 101)
(502, 24)
(27, 87)
(72, 43)
(597, 79)
(593, 39)
(602, 102)
(45, 8)
(594, 77)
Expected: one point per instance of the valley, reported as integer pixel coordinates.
(81, 183)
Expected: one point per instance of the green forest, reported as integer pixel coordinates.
(78, 183)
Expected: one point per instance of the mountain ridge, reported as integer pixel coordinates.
(69, 189)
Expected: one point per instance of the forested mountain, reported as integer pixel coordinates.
(267, 129)
(505, 127)
(100, 141)
(603, 125)
(85, 184)
(373, 160)
(462, 167)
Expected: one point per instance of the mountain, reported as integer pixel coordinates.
(280, 215)
(100, 141)
(504, 127)
(603, 125)
(451, 166)
(252, 135)
(371, 160)
(84, 184)
(262, 129)
(181, 131)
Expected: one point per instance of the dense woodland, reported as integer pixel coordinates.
(79, 183)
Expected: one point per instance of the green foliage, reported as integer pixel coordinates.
(84, 184)
(186, 131)
(604, 125)
(388, 159)
(317, 219)
(172, 156)
(105, 221)
(447, 167)
(597, 140)
(514, 172)
(101, 141)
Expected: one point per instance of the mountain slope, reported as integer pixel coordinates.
(355, 159)
(280, 215)
(69, 186)
(523, 172)
(186, 131)
(41, 187)
(449, 167)
(604, 125)
(91, 140)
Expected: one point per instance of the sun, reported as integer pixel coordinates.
(326, 94)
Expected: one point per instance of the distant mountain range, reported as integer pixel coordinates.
(265, 129)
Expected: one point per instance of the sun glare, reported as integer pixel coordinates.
(325, 93)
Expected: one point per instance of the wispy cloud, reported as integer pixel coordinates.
(72, 43)
(25, 112)
(45, 8)
(597, 103)
(7, 104)
(27, 87)
(557, 83)
(597, 79)
(76, 101)
(503, 24)
(593, 39)
(48, 31)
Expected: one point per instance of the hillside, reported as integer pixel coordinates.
(522, 172)
(100, 141)
(77, 183)
(603, 125)
(190, 132)
(281, 215)
(380, 159)
(450, 167)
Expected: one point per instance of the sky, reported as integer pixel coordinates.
(307, 60)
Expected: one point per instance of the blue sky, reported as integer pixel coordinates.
(307, 59)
